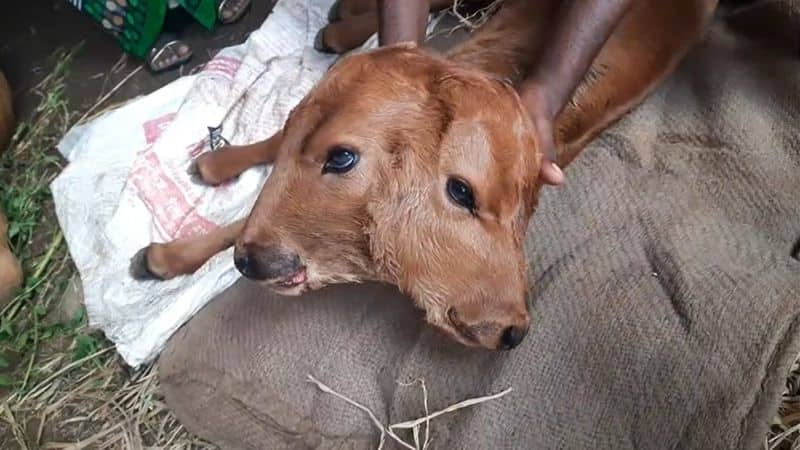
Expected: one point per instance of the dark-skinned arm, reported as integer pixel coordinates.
(402, 21)
(579, 32)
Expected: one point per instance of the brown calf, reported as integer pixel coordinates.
(420, 170)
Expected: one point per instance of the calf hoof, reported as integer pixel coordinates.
(334, 14)
(342, 36)
(141, 269)
(195, 174)
(202, 171)
(320, 45)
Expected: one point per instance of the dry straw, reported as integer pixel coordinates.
(413, 425)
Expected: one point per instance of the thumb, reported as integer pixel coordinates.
(549, 172)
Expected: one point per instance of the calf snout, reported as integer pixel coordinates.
(266, 263)
(512, 337)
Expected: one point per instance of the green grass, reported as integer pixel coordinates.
(26, 169)
(59, 381)
(30, 339)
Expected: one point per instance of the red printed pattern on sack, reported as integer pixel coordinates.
(155, 127)
(171, 210)
(224, 65)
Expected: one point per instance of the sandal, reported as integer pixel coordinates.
(230, 11)
(168, 53)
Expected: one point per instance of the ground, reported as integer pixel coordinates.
(61, 384)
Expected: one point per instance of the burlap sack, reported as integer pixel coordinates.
(665, 298)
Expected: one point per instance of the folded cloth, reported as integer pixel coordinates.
(665, 298)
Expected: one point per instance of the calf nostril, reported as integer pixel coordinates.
(511, 337)
(266, 263)
(242, 263)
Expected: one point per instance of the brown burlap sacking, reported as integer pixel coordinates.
(665, 300)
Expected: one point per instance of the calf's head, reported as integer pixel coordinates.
(404, 168)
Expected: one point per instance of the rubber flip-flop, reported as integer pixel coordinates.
(237, 13)
(167, 48)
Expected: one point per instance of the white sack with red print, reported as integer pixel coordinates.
(126, 183)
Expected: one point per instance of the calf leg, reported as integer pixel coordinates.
(355, 23)
(183, 256)
(347, 34)
(646, 47)
(343, 9)
(216, 167)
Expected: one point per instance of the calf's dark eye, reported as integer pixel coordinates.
(340, 160)
(461, 194)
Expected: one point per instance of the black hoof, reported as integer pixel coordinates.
(139, 270)
(333, 13)
(194, 174)
(319, 43)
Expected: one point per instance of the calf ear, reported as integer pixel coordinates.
(530, 201)
(533, 159)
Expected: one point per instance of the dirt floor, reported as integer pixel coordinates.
(61, 384)
(31, 31)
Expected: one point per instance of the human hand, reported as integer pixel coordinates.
(542, 116)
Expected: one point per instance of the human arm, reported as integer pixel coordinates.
(402, 21)
(579, 32)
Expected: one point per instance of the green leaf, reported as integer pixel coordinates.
(3, 362)
(22, 340)
(40, 310)
(32, 281)
(6, 381)
(7, 328)
(79, 318)
(47, 333)
(84, 346)
(13, 230)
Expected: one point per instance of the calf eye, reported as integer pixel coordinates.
(461, 194)
(340, 160)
